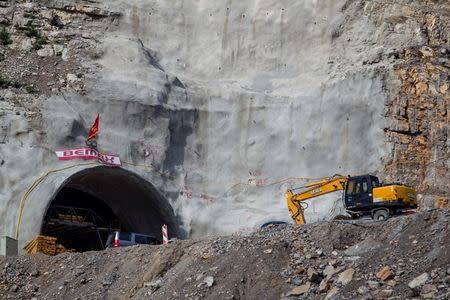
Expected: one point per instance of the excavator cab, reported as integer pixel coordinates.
(364, 194)
(358, 192)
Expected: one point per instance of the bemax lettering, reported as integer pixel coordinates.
(88, 153)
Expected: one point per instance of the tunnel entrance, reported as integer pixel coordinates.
(79, 220)
(96, 202)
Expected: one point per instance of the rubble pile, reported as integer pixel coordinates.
(373, 261)
(404, 257)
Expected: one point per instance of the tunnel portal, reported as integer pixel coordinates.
(97, 201)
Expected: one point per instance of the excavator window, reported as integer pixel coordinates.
(357, 186)
(375, 182)
(350, 187)
(364, 185)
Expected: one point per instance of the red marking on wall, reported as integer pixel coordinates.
(189, 193)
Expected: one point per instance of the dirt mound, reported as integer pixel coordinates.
(403, 257)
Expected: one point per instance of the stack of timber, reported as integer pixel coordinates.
(42, 244)
(47, 245)
(71, 218)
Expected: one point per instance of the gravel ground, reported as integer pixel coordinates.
(402, 258)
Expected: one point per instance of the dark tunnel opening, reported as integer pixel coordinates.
(80, 221)
(96, 202)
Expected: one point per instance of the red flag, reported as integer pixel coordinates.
(94, 130)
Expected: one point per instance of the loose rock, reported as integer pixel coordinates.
(209, 280)
(419, 281)
(346, 276)
(385, 273)
(300, 290)
(334, 290)
(313, 276)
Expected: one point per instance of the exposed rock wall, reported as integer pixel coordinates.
(409, 44)
(419, 131)
(418, 108)
(224, 105)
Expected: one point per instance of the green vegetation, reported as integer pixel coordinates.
(30, 15)
(30, 89)
(6, 82)
(5, 37)
(40, 41)
(30, 31)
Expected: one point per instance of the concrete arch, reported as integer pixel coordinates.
(135, 201)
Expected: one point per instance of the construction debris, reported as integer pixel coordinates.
(306, 262)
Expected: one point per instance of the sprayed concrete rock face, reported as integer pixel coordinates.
(241, 101)
(221, 106)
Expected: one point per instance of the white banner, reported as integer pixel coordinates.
(88, 153)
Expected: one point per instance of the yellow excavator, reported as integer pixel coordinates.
(362, 195)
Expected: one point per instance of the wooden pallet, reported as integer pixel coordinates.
(47, 245)
(42, 244)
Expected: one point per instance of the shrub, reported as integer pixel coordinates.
(6, 82)
(30, 31)
(30, 15)
(40, 41)
(30, 89)
(5, 37)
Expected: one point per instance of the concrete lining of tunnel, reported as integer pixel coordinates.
(135, 201)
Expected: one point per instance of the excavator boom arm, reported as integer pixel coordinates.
(312, 190)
